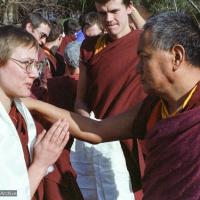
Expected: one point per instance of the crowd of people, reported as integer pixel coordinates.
(105, 107)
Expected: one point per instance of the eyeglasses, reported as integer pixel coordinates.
(41, 34)
(29, 66)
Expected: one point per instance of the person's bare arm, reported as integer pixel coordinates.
(80, 104)
(84, 128)
(136, 18)
(47, 149)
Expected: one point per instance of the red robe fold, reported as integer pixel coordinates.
(21, 127)
(172, 160)
(57, 64)
(114, 86)
(61, 183)
(62, 91)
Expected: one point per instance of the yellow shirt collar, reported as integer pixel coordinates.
(164, 111)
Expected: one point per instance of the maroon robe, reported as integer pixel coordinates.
(61, 66)
(172, 160)
(59, 184)
(57, 64)
(53, 65)
(21, 127)
(62, 91)
(114, 86)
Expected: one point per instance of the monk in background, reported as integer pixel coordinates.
(39, 27)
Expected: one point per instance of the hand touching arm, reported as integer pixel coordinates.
(136, 18)
(84, 128)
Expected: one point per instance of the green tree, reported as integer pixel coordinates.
(154, 6)
(12, 11)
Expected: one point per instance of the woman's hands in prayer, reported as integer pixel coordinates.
(49, 144)
(46, 150)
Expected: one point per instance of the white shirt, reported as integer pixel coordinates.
(14, 175)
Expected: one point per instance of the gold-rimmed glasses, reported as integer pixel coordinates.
(41, 34)
(29, 66)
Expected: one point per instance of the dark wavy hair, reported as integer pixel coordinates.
(91, 18)
(171, 28)
(71, 26)
(35, 19)
(126, 2)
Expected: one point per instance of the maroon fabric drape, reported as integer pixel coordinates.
(172, 147)
(173, 162)
(57, 64)
(21, 127)
(114, 86)
(62, 91)
(61, 183)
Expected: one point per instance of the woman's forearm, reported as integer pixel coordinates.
(80, 127)
(35, 174)
(84, 128)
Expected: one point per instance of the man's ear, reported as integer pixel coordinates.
(178, 53)
(60, 37)
(29, 27)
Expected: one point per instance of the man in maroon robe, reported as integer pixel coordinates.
(56, 61)
(39, 27)
(109, 83)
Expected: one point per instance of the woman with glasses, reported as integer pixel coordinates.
(25, 159)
